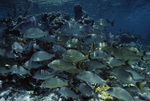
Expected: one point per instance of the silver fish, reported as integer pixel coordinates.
(15, 69)
(123, 75)
(73, 43)
(54, 83)
(61, 65)
(94, 64)
(59, 49)
(85, 89)
(48, 38)
(8, 53)
(99, 55)
(136, 76)
(102, 23)
(17, 47)
(74, 56)
(43, 75)
(113, 62)
(120, 93)
(34, 33)
(66, 92)
(89, 39)
(62, 39)
(41, 56)
(31, 65)
(91, 77)
(71, 28)
(4, 70)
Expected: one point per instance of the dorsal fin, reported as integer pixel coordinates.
(115, 45)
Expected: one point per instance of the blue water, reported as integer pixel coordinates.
(131, 16)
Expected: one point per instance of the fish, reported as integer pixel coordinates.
(43, 74)
(124, 52)
(102, 23)
(85, 89)
(29, 23)
(99, 55)
(71, 58)
(74, 56)
(100, 45)
(17, 47)
(34, 33)
(48, 38)
(146, 57)
(133, 62)
(90, 38)
(15, 69)
(94, 64)
(40, 56)
(120, 93)
(58, 50)
(113, 62)
(54, 82)
(33, 45)
(31, 65)
(4, 70)
(8, 53)
(136, 76)
(73, 43)
(62, 39)
(131, 89)
(125, 77)
(66, 92)
(75, 71)
(61, 65)
(84, 49)
(71, 28)
(90, 77)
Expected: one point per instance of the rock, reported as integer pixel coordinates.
(79, 13)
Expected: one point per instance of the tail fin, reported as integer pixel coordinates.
(144, 52)
(112, 23)
(142, 86)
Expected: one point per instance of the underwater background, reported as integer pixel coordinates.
(130, 15)
(74, 50)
